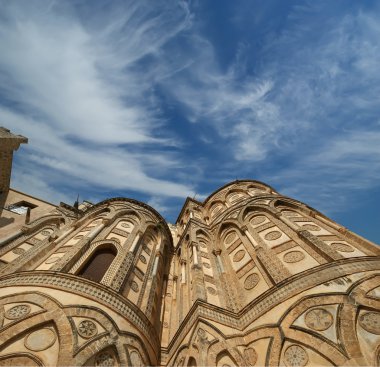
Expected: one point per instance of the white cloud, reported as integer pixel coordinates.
(73, 85)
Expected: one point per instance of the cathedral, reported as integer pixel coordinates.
(247, 277)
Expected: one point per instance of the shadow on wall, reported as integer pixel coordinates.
(5, 221)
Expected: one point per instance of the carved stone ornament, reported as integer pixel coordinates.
(273, 235)
(239, 256)
(45, 233)
(341, 247)
(318, 319)
(125, 225)
(251, 281)
(293, 256)
(295, 356)
(104, 359)
(134, 286)
(211, 290)
(230, 238)
(40, 339)
(52, 260)
(87, 329)
(18, 250)
(290, 213)
(311, 227)
(257, 219)
(201, 333)
(250, 355)
(17, 312)
(370, 321)
(143, 259)
(207, 265)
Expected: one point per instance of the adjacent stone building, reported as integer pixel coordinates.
(248, 277)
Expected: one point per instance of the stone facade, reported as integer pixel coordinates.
(247, 277)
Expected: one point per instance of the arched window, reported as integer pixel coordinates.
(192, 362)
(98, 263)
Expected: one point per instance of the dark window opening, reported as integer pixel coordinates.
(21, 207)
(97, 265)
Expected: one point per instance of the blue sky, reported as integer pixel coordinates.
(159, 100)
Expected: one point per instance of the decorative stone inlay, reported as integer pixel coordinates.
(206, 265)
(40, 339)
(104, 359)
(230, 238)
(143, 259)
(318, 319)
(52, 260)
(85, 288)
(257, 220)
(17, 312)
(45, 233)
(134, 286)
(289, 213)
(239, 256)
(211, 290)
(87, 329)
(250, 356)
(251, 281)
(311, 227)
(273, 235)
(370, 321)
(18, 251)
(293, 256)
(201, 333)
(341, 247)
(295, 356)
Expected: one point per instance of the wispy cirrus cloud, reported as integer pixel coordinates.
(73, 82)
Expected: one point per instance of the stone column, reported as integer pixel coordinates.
(199, 288)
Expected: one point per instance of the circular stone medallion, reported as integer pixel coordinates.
(258, 219)
(370, 321)
(341, 247)
(294, 256)
(295, 356)
(17, 312)
(311, 227)
(251, 281)
(40, 340)
(18, 251)
(87, 329)
(239, 256)
(318, 319)
(250, 355)
(273, 235)
(211, 290)
(104, 359)
(134, 286)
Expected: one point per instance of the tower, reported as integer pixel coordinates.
(248, 277)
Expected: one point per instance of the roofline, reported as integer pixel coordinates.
(219, 189)
(234, 182)
(184, 206)
(33, 197)
(137, 202)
